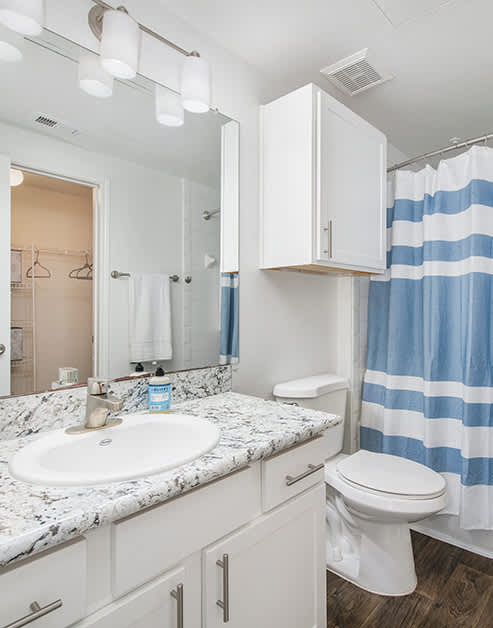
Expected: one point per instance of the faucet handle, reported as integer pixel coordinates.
(97, 385)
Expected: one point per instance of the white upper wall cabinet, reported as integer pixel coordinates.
(323, 186)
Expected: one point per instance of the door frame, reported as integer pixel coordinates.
(101, 273)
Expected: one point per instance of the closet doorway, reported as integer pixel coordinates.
(51, 282)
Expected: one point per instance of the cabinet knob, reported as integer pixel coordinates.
(3, 348)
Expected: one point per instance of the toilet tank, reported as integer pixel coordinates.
(325, 392)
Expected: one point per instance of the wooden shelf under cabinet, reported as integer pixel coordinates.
(314, 269)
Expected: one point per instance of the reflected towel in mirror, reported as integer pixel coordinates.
(149, 317)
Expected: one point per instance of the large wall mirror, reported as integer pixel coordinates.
(118, 234)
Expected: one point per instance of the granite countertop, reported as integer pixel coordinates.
(34, 518)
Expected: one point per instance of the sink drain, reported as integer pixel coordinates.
(105, 442)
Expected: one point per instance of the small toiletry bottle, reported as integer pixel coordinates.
(159, 392)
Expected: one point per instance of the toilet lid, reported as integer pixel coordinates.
(391, 474)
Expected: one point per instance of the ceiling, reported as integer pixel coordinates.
(439, 52)
(123, 126)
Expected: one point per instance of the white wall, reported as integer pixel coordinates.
(283, 316)
(202, 295)
(145, 229)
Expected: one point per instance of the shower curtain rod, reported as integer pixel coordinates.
(446, 149)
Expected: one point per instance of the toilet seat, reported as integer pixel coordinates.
(380, 503)
(390, 475)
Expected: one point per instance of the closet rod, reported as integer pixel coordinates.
(72, 252)
(442, 151)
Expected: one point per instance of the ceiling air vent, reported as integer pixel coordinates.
(45, 121)
(355, 74)
(61, 129)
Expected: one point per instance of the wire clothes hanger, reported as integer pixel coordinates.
(33, 274)
(76, 272)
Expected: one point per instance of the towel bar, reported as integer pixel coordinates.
(116, 275)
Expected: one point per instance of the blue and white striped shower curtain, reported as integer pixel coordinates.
(428, 389)
(228, 352)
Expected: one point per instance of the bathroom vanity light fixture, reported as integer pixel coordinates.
(16, 177)
(195, 84)
(120, 44)
(22, 16)
(11, 45)
(169, 108)
(120, 41)
(93, 79)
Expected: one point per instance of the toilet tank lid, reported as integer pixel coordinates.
(309, 387)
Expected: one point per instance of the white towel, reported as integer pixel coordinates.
(149, 318)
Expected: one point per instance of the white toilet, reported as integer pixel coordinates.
(371, 498)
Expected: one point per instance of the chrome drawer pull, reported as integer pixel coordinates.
(37, 612)
(178, 596)
(311, 469)
(224, 604)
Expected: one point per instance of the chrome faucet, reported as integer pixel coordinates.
(99, 404)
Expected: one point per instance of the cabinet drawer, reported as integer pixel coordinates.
(148, 543)
(59, 574)
(291, 472)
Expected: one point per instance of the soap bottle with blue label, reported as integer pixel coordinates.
(159, 399)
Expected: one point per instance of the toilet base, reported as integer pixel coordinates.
(384, 563)
(374, 555)
(356, 583)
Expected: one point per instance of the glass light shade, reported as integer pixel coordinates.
(16, 177)
(93, 79)
(195, 84)
(169, 110)
(23, 16)
(11, 45)
(120, 44)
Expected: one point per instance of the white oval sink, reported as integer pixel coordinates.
(141, 445)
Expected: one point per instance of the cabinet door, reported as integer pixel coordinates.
(155, 605)
(351, 182)
(276, 570)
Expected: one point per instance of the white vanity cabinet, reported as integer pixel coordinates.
(270, 572)
(244, 550)
(323, 186)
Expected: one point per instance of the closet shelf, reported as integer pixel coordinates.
(23, 362)
(17, 287)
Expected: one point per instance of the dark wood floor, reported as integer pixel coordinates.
(455, 590)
